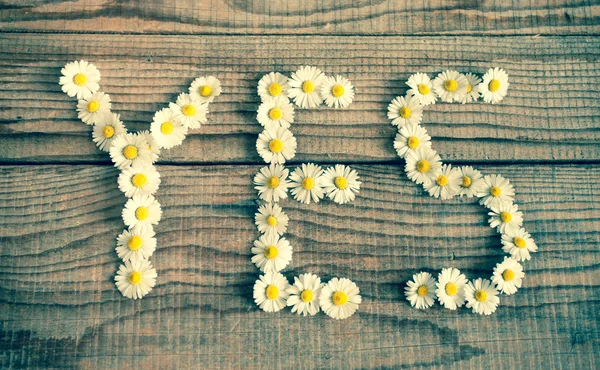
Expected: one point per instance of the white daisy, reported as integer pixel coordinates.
(167, 129)
(205, 89)
(472, 90)
(519, 243)
(508, 276)
(405, 110)
(340, 183)
(471, 181)
(276, 145)
(305, 87)
(410, 137)
(482, 296)
(79, 79)
(422, 165)
(306, 183)
(128, 149)
(339, 298)
(139, 179)
(273, 85)
(191, 112)
(271, 183)
(136, 244)
(270, 291)
(106, 129)
(451, 288)
(496, 190)
(421, 87)
(270, 219)
(271, 253)
(136, 279)
(420, 291)
(92, 109)
(275, 113)
(450, 86)
(337, 92)
(446, 184)
(141, 210)
(506, 217)
(304, 294)
(494, 86)
(152, 145)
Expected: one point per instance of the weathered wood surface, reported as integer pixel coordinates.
(59, 307)
(303, 17)
(551, 112)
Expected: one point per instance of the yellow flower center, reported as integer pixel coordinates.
(340, 298)
(79, 79)
(308, 87)
(189, 110)
(271, 252)
(481, 295)
(276, 145)
(274, 89)
(108, 132)
(337, 91)
(275, 113)
(423, 166)
(469, 88)
(466, 181)
(93, 106)
(495, 191)
(138, 180)
(413, 142)
(423, 89)
(272, 292)
(405, 112)
(271, 221)
(494, 85)
(308, 183)
(167, 128)
(306, 295)
(341, 182)
(142, 213)
(273, 182)
(135, 278)
(423, 290)
(442, 181)
(451, 289)
(205, 90)
(134, 243)
(505, 217)
(450, 85)
(519, 242)
(508, 275)
(130, 152)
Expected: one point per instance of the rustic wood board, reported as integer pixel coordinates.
(59, 307)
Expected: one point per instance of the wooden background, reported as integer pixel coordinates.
(60, 206)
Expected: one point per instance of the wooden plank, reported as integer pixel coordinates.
(551, 113)
(304, 17)
(59, 308)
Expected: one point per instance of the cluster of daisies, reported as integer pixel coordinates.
(424, 166)
(135, 154)
(307, 88)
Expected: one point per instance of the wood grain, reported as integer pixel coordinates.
(551, 113)
(59, 308)
(303, 17)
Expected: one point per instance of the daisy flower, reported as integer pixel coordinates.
(136, 244)
(494, 86)
(495, 191)
(152, 145)
(337, 92)
(79, 79)
(205, 89)
(305, 182)
(405, 110)
(270, 219)
(508, 276)
(92, 109)
(421, 87)
(142, 178)
(167, 129)
(506, 217)
(135, 279)
(276, 145)
(106, 129)
(271, 253)
(471, 181)
(270, 291)
(450, 86)
(305, 87)
(339, 298)
(275, 113)
(409, 138)
(451, 288)
(271, 183)
(446, 184)
(519, 243)
(128, 149)
(273, 85)
(422, 165)
(472, 90)
(190, 111)
(482, 296)
(141, 210)
(340, 183)
(420, 292)
(304, 294)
